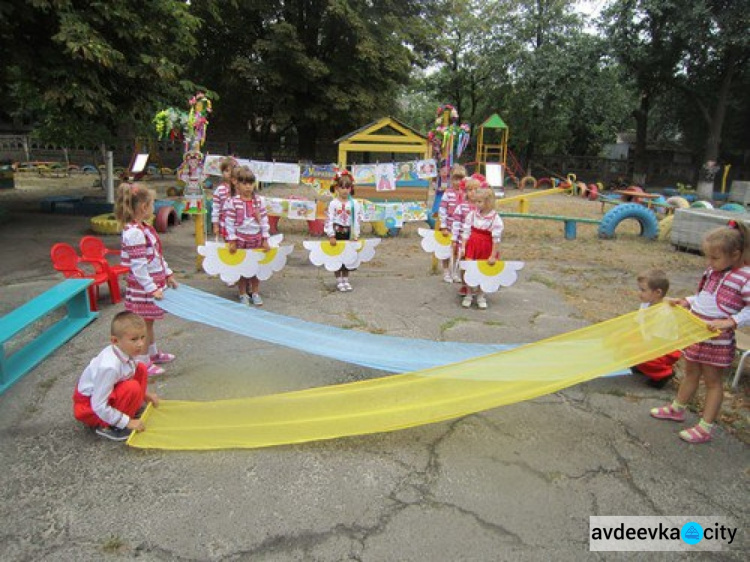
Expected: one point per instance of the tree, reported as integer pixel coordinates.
(322, 67)
(646, 38)
(715, 60)
(80, 71)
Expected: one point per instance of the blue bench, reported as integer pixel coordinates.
(71, 294)
(569, 223)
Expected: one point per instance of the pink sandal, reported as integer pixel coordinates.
(696, 435)
(162, 357)
(154, 370)
(668, 413)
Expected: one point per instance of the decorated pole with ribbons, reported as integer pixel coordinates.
(190, 126)
(448, 139)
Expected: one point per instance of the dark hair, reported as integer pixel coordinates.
(243, 174)
(344, 179)
(656, 280)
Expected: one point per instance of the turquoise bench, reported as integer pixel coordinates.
(569, 223)
(70, 294)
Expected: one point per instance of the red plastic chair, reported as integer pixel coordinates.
(94, 249)
(66, 261)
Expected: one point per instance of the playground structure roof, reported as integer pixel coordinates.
(494, 121)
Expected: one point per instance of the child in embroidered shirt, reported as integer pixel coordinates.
(224, 191)
(110, 393)
(149, 273)
(452, 197)
(343, 221)
(247, 227)
(652, 288)
(462, 210)
(723, 302)
(480, 238)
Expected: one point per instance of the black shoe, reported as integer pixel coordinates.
(660, 383)
(113, 433)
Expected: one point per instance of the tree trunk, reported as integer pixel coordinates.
(641, 135)
(715, 125)
(705, 189)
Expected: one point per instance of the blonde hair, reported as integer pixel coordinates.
(458, 171)
(655, 279)
(486, 193)
(124, 321)
(472, 183)
(130, 196)
(227, 164)
(729, 239)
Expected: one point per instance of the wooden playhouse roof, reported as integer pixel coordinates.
(385, 130)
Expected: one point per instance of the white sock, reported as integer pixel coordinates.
(152, 349)
(143, 359)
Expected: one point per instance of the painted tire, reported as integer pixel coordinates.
(583, 189)
(678, 202)
(525, 180)
(544, 183)
(163, 216)
(733, 208)
(701, 205)
(593, 192)
(105, 224)
(660, 205)
(645, 217)
(510, 183)
(665, 228)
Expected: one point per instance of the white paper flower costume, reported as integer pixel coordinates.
(244, 263)
(489, 278)
(346, 253)
(365, 252)
(435, 242)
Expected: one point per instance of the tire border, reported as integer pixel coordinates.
(645, 217)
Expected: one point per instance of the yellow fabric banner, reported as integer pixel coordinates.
(422, 397)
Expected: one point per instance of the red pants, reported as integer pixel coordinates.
(661, 367)
(127, 397)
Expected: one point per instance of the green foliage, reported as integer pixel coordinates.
(323, 67)
(82, 70)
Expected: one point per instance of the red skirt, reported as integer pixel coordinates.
(479, 246)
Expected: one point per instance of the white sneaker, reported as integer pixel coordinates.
(347, 286)
(341, 287)
(245, 299)
(481, 302)
(467, 300)
(257, 301)
(447, 277)
(456, 277)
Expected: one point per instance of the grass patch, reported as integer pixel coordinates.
(113, 545)
(534, 278)
(452, 323)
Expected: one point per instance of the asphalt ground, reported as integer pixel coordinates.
(514, 483)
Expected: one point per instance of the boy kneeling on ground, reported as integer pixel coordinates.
(112, 391)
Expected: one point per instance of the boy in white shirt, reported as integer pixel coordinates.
(112, 389)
